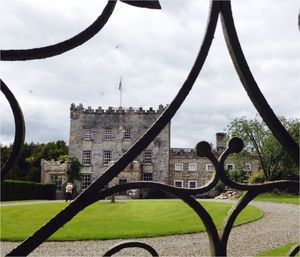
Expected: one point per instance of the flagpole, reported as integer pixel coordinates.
(120, 88)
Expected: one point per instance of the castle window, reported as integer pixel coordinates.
(87, 134)
(86, 158)
(178, 166)
(192, 166)
(147, 157)
(209, 167)
(127, 134)
(86, 181)
(178, 183)
(247, 167)
(147, 176)
(58, 180)
(229, 166)
(192, 184)
(108, 134)
(106, 157)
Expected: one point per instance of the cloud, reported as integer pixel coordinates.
(154, 54)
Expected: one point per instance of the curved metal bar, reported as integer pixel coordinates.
(152, 4)
(235, 146)
(251, 86)
(211, 229)
(76, 206)
(236, 210)
(294, 250)
(64, 46)
(19, 130)
(232, 215)
(124, 245)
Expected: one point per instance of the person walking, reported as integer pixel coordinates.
(69, 191)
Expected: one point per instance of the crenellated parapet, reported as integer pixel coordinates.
(76, 110)
(183, 152)
(54, 166)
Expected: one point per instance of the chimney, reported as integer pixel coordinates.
(221, 142)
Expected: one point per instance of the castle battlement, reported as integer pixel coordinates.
(79, 109)
(55, 166)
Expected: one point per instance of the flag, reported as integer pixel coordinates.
(120, 84)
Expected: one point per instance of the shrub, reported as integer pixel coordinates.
(237, 175)
(25, 190)
(220, 187)
(150, 193)
(257, 177)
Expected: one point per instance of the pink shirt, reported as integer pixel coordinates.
(69, 188)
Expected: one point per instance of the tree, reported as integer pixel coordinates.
(73, 171)
(28, 165)
(258, 140)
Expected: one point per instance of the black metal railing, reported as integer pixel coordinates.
(97, 190)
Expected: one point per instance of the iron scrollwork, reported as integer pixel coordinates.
(97, 191)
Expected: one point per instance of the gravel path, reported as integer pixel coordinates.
(279, 226)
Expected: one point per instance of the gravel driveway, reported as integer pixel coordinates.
(279, 226)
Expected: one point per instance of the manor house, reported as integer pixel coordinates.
(100, 137)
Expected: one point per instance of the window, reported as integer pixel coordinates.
(106, 157)
(209, 167)
(127, 134)
(178, 166)
(86, 181)
(87, 134)
(192, 184)
(58, 180)
(230, 166)
(192, 166)
(86, 158)
(108, 134)
(247, 167)
(178, 183)
(147, 176)
(147, 157)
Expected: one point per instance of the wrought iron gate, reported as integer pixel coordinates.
(97, 190)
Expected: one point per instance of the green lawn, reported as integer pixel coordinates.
(278, 198)
(128, 219)
(279, 251)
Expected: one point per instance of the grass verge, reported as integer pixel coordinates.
(128, 219)
(278, 198)
(279, 251)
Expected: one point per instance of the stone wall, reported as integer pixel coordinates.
(51, 167)
(88, 132)
(188, 157)
(54, 169)
(117, 120)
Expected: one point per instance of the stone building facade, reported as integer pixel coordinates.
(100, 137)
(54, 172)
(187, 169)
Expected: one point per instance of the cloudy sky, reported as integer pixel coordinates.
(153, 50)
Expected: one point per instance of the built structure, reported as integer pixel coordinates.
(99, 137)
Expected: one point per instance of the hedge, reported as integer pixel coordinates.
(24, 190)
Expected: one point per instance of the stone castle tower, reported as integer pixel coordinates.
(99, 137)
